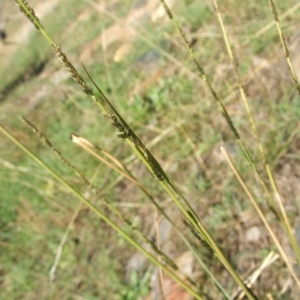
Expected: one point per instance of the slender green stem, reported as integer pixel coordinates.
(101, 214)
(203, 75)
(124, 130)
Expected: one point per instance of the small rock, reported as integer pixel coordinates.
(253, 234)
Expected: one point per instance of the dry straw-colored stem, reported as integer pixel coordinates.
(275, 205)
(101, 214)
(87, 145)
(261, 215)
(93, 149)
(284, 46)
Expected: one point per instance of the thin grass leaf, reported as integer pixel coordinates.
(101, 214)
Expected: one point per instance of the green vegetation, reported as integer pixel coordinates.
(68, 223)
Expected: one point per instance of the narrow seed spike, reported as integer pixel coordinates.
(167, 9)
(74, 73)
(55, 151)
(31, 16)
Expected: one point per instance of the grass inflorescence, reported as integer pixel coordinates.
(190, 186)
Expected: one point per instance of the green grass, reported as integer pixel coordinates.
(152, 96)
